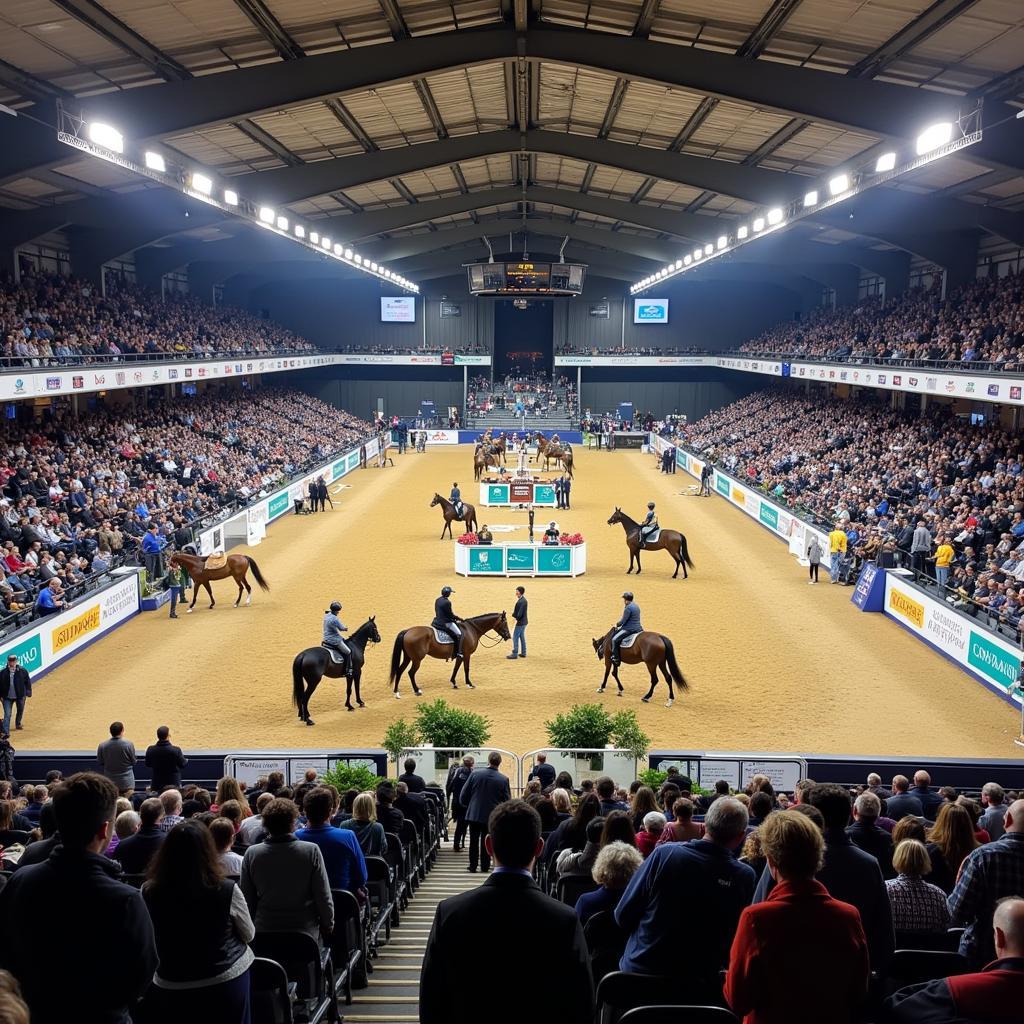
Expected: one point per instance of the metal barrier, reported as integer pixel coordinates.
(585, 764)
(435, 763)
(705, 767)
(249, 766)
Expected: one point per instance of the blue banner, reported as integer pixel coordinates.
(869, 594)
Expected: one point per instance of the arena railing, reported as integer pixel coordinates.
(15, 364)
(434, 763)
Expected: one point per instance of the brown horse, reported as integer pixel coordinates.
(468, 515)
(550, 451)
(654, 650)
(236, 567)
(480, 462)
(671, 541)
(418, 642)
(498, 447)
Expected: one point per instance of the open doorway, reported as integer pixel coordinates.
(523, 336)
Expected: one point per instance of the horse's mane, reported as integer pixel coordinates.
(486, 615)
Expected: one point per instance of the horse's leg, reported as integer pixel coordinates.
(195, 594)
(312, 685)
(465, 669)
(674, 552)
(455, 672)
(668, 679)
(248, 591)
(413, 669)
(604, 682)
(238, 600)
(358, 679)
(210, 592)
(632, 557)
(348, 695)
(618, 681)
(654, 682)
(638, 550)
(401, 668)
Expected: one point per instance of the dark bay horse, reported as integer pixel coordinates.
(236, 567)
(654, 650)
(671, 541)
(550, 451)
(468, 515)
(416, 643)
(312, 664)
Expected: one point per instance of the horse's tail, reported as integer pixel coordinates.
(257, 575)
(673, 665)
(684, 554)
(297, 681)
(396, 656)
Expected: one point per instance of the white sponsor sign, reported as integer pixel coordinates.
(298, 766)
(442, 437)
(783, 775)
(250, 769)
(635, 361)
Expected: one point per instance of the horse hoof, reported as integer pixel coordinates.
(348, 707)
(600, 689)
(646, 700)
(362, 704)
(309, 721)
(189, 612)
(398, 696)
(470, 686)
(669, 703)
(619, 694)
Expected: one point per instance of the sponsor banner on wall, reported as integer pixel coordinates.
(635, 361)
(442, 437)
(996, 662)
(56, 637)
(424, 359)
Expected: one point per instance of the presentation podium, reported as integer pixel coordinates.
(521, 559)
(518, 492)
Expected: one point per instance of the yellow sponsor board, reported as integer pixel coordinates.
(737, 496)
(906, 606)
(71, 631)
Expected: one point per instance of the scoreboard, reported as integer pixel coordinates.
(526, 278)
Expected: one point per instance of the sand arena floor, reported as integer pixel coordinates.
(774, 665)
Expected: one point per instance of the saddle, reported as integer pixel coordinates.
(217, 560)
(441, 637)
(649, 538)
(629, 641)
(335, 654)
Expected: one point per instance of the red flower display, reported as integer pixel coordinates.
(469, 538)
(572, 538)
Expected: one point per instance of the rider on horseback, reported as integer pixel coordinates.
(456, 499)
(626, 626)
(649, 524)
(446, 620)
(333, 641)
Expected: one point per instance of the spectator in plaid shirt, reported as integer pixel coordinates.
(917, 905)
(991, 872)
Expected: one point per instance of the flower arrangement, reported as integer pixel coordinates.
(468, 538)
(572, 538)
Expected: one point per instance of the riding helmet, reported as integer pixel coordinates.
(628, 595)
(650, 505)
(335, 606)
(445, 591)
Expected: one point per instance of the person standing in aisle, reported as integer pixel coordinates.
(836, 550)
(558, 492)
(813, 558)
(15, 689)
(519, 632)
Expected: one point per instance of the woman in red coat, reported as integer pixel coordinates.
(799, 923)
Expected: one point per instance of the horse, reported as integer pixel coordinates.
(236, 567)
(672, 541)
(416, 643)
(498, 447)
(312, 664)
(480, 462)
(548, 451)
(654, 650)
(468, 515)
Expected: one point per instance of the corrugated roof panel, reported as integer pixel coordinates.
(469, 96)
(224, 146)
(376, 193)
(39, 37)
(653, 114)
(574, 96)
(357, 22)
(311, 132)
(392, 116)
(487, 170)
(612, 181)
(437, 181)
(96, 172)
(863, 23)
(824, 146)
(604, 15)
(31, 188)
(670, 192)
(989, 35)
(735, 129)
(1005, 190)
(183, 23)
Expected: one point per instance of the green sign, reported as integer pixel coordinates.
(992, 660)
(769, 516)
(483, 560)
(277, 505)
(722, 483)
(497, 494)
(28, 652)
(681, 460)
(544, 494)
(353, 460)
(338, 469)
(519, 559)
(554, 561)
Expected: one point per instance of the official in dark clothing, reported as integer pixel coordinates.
(165, 761)
(74, 901)
(558, 492)
(483, 791)
(566, 490)
(321, 494)
(867, 835)
(457, 982)
(416, 783)
(15, 689)
(412, 805)
(543, 771)
(519, 614)
(446, 620)
(387, 814)
(902, 803)
(457, 777)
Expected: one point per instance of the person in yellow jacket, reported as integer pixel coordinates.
(943, 557)
(836, 550)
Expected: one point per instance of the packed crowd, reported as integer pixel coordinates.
(535, 394)
(934, 493)
(835, 880)
(399, 350)
(629, 350)
(80, 493)
(982, 322)
(49, 320)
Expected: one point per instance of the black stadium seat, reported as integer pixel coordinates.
(679, 1015)
(912, 966)
(618, 992)
(270, 993)
(307, 965)
(570, 888)
(347, 946)
(606, 942)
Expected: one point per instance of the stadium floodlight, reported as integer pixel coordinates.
(155, 162)
(708, 249)
(314, 237)
(282, 222)
(759, 223)
(839, 184)
(338, 248)
(723, 241)
(230, 197)
(300, 231)
(811, 198)
(358, 259)
(679, 264)
(106, 135)
(267, 214)
(202, 183)
(742, 231)
(325, 242)
(775, 215)
(697, 253)
(886, 162)
(687, 260)
(348, 254)
(934, 137)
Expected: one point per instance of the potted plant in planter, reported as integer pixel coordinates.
(591, 727)
(437, 724)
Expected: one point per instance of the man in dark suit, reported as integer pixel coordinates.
(165, 761)
(866, 834)
(558, 492)
(483, 791)
(412, 805)
(415, 782)
(390, 818)
(566, 489)
(135, 852)
(458, 976)
(930, 801)
(543, 771)
(902, 802)
(15, 689)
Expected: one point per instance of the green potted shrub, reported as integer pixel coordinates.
(440, 724)
(344, 776)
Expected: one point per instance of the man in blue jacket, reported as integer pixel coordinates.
(152, 545)
(626, 626)
(343, 856)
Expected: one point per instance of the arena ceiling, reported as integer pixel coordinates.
(418, 127)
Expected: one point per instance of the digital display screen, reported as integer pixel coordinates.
(650, 311)
(526, 278)
(399, 309)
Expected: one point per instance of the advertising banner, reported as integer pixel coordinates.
(486, 560)
(442, 437)
(610, 360)
(554, 561)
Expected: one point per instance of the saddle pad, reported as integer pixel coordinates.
(334, 653)
(650, 538)
(441, 638)
(217, 561)
(629, 641)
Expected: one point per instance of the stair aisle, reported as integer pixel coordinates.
(392, 996)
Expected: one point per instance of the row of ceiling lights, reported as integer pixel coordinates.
(203, 186)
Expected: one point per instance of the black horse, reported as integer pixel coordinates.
(312, 664)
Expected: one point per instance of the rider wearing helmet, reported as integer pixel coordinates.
(649, 524)
(456, 499)
(446, 620)
(333, 641)
(626, 626)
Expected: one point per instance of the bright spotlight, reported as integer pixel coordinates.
(811, 199)
(325, 242)
(338, 248)
(742, 231)
(282, 222)
(357, 259)
(886, 162)
(300, 231)
(106, 136)
(687, 259)
(934, 137)
(839, 184)
(314, 237)
(722, 241)
(775, 215)
(348, 254)
(230, 197)
(759, 223)
(697, 253)
(708, 249)
(266, 215)
(679, 264)
(155, 162)
(202, 183)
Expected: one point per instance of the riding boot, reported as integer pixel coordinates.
(458, 647)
